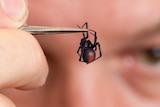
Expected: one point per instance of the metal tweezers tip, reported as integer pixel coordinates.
(43, 30)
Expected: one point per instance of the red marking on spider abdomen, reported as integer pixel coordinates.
(91, 56)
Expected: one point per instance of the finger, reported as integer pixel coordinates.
(5, 102)
(23, 63)
(13, 13)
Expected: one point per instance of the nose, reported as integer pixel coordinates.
(83, 88)
(87, 85)
(77, 86)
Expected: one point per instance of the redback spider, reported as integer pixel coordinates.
(87, 49)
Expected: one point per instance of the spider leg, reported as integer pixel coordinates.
(94, 33)
(85, 34)
(78, 51)
(80, 54)
(85, 25)
(99, 48)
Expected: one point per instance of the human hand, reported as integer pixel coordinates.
(23, 64)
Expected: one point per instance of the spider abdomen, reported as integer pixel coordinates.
(89, 55)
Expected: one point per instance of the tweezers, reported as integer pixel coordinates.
(46, 30)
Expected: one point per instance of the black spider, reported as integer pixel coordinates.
(87, 49)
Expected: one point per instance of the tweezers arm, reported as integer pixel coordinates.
(41, 30)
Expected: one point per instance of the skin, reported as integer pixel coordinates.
(121, 78)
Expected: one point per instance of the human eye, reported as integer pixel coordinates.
(144, 75)
(149, 61)
(151, 56)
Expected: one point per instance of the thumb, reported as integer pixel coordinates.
(5, 101)
(13, 13)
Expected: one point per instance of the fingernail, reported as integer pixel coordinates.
(15, 9)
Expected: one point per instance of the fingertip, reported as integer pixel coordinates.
(6, 102)
(13, 13)
(25, 64)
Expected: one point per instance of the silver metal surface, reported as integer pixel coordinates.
(43, 30)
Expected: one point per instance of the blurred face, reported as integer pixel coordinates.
(127, 75)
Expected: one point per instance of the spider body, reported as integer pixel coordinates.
(87, 49)
(87, 52)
